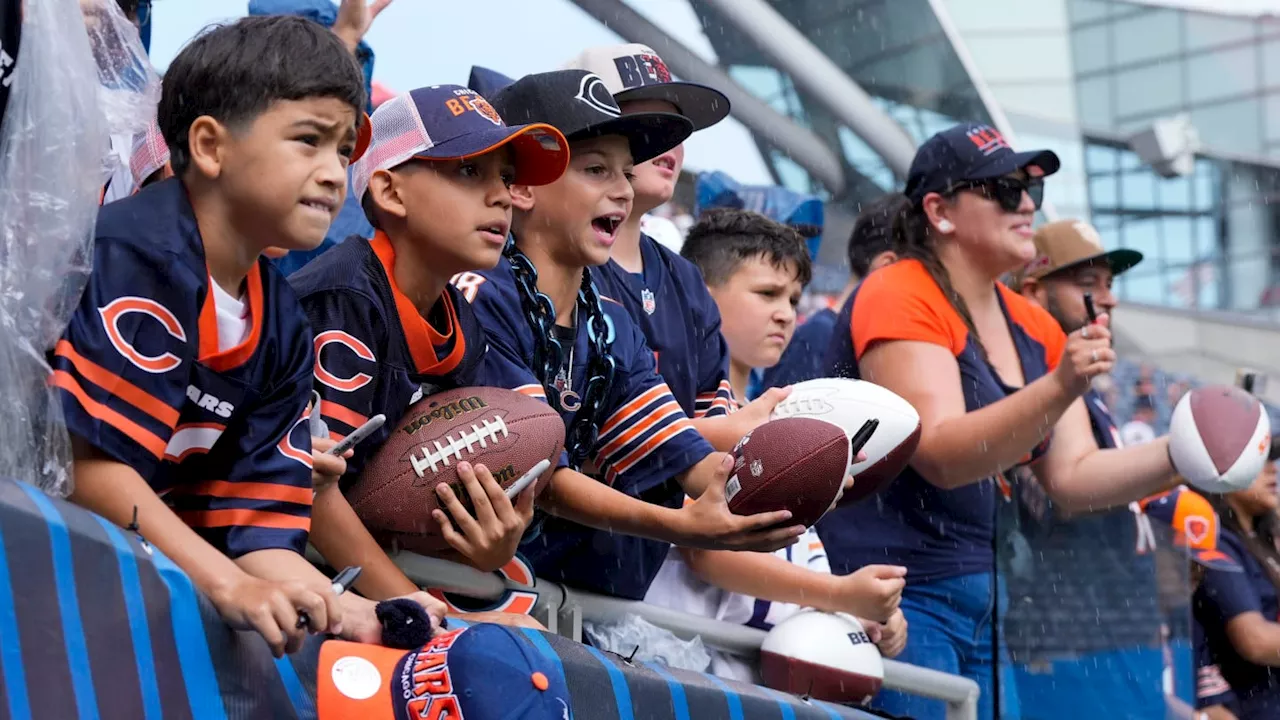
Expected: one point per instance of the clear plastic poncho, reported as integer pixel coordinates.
(81, 75)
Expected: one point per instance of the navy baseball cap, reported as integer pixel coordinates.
(481, 672)
(969, 152)
(487, 82)
(580, 105)
(451, 122)
(1195, 526)
(636, 72)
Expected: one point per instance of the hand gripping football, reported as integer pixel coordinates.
(850, 403)
(503, 430)
(795, 464)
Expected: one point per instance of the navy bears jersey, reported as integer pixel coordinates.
(374, 350)
(680, 322)
(645, 438)
(220, 434)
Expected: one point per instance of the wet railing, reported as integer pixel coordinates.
(563, 610)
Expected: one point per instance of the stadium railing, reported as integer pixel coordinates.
(563, 610)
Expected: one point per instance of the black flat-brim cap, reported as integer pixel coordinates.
(704, 106)
(635, 72)
(577, 103)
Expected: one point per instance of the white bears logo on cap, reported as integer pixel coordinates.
(593, 92)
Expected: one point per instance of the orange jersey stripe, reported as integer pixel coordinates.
(140, 435)
(663, 435)
(623, 412)
(536, 391)
(342, 413)
(244, 518)
(118, 386)
(249, 491)
(662, 412)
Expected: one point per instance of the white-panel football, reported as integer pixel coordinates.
(827, 656)
(849, 403)
(1219, 438)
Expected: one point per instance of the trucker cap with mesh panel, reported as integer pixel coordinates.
(451, 122)
(150, 154)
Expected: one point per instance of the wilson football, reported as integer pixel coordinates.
(1219, 438)
(795, 464)
(503, 430)
(850, 403)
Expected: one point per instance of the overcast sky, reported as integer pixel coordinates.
(425, 42)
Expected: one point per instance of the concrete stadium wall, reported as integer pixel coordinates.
(1208, 345)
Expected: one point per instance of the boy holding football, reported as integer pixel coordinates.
(181, 372)
(552, 336)
(664, 292)
(435, 184)
(757, 268)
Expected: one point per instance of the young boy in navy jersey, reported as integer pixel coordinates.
(552, 336)
(870, 248)
(186, 369)
(755, 269)
(663, 291)
(436, 185)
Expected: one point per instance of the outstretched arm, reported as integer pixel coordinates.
(1080, 477)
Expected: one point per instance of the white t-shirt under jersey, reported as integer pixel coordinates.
(233, 318)
(677, 588)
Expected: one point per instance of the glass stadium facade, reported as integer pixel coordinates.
(1081, 77)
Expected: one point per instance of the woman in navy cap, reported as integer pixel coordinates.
(995, 380)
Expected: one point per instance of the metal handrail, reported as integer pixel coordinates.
(563, 609)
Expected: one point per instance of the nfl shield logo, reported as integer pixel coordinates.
(646, 296)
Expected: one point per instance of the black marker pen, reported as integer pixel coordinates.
(1088, 308)
(341, 582)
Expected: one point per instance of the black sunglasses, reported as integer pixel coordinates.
(1007, 191)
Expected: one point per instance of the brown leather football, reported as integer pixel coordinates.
(503, 430)
(795, 464)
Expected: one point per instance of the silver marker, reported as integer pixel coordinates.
(527, 479)
(358, 434)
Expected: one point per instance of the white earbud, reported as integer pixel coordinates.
(945, 226)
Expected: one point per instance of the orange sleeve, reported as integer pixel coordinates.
(902, 302)
(1039, 324)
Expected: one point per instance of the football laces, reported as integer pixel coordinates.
(804, 405)
(443, 452)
